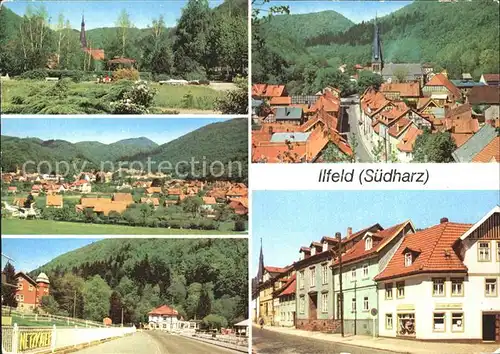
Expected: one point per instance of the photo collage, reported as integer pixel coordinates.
(250, 176)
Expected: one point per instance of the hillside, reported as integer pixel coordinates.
(149, 272)
(222, 141)
(306, 26)
(16, 151)
(461, 37)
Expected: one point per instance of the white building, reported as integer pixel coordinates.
(164, 318)
(442, 283)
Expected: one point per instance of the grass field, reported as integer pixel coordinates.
(167, 99)
(49, 227)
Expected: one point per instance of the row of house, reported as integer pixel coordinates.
(296, 129)
(438, 283)
(393, 116)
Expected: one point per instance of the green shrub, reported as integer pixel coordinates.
(145, 75)
(38, 74)
(239, 225)
(17, 100)
(75, 75)
(161, 77)
(198, 74)
(127, 74)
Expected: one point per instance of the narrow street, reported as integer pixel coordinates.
(155, 342)
(270, 342)
(362, 155)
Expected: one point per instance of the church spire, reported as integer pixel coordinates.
(260, 271)
(83, 37)
(377, 60)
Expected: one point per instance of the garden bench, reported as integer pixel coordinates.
(51, 79)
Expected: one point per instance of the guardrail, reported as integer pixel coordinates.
(43, 339)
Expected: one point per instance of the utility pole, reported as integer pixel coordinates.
(341, 294)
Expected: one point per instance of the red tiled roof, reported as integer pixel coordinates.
(490, 153)
(282, 100)
(272, 269)
(442, 80)
(399, 126)
(484, 95)
(405, 89)
(380, 239)
(406, 144)
(209, 200)
(163, 310)
(327, 102)
(361, 232)
(460, 139)
(266, 90)
(290, 287)
(435, 252)
(491, 77)
(97, 54)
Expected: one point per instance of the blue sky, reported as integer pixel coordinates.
(104, 13)
(31, 253)
(104, 130)
(355, 11)
(288, 220)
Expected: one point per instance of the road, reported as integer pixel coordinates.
(155, 342)
(362, 154)
(270, 342)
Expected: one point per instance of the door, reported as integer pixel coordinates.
(497, 328)
(313, 306)
(489, 327)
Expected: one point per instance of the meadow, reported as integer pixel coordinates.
(51, 227)
(40, 97)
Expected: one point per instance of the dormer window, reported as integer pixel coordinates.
(368, 243)
(313, 251)
(325, 246)
(408, 259)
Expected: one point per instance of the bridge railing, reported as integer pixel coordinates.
(17, 339)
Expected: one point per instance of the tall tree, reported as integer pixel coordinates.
(96, 295)
(124, 24)
(9, 287)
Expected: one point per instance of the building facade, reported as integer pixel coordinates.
(30, 292)
(164, 318)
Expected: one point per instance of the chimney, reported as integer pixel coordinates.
(443, 220)
(337, 236)
(349, 231)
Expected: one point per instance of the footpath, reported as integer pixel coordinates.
(394, 345)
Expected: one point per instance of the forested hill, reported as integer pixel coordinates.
(307, 26)
(197, 276)
(461, 36)
(16, 151)
(222, 141)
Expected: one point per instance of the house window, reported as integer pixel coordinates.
(324, 302)
(457, 287)
(366, 304)
(20, 286)
(408, 259)
(457, 322)
(301, 280)
(498, 251)
(438, 287)
(324, 274)
(388, 321)
(312, 277)
(365, 271)
(302, 304)
(406, 324)
(30, 288)
(21, 297)
(400, 292)
(388, 291)
(439, 322)
(484, 252)
(491, 287)
(368, 243)
(353, 274)
(353, 304)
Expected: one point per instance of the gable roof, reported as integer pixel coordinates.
(123, 197)
(280, 100)
(163, 310)
(484, 95)
(271, 269)
(25, 276)
(475, 144)
(496, 209)
(442, 80)
(491, 77)
(490, 153)
(380, 240)
(290, 287)
(54, 200)
(408, 140)
(436, 252)
(405, 89)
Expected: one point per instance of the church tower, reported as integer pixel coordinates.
(377, 60)
(260, 271)
(83, 38)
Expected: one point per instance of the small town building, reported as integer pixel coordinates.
(442, 283)
(164, 318)
(54, 201)
(484, 146)
(30, 292)
(490, 79)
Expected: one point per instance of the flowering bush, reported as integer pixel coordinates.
(136, 101)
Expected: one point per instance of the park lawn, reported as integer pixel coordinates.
(167, 99)
(30, 322)
(50, 227)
